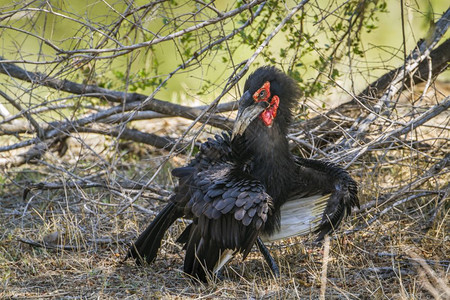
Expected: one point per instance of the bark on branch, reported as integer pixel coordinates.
(440, 58)
(417, 56)
(132, 99)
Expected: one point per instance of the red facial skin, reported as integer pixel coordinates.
(263, 94)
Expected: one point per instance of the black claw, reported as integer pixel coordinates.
(269, 259)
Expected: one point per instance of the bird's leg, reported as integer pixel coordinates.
(269, 259)
(219, 274)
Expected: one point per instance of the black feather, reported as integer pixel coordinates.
(146, 246)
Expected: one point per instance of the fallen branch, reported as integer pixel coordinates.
(27, 115)
(52, 245)
(118, 186)
(423, 178)
(49, 245)
(439, 63)
(157, 141)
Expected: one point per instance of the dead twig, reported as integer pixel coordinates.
(323, 277)
(156, 40)
(418, 55)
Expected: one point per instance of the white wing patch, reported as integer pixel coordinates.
(299, 217)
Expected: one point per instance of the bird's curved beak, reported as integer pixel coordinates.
(247, 112)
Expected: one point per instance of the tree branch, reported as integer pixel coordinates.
(440, 58)
(390, 136)
(417, 56)
(27, 115)
(136, 136)
(171, 36)
(94, 91)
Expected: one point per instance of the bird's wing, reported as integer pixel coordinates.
(197, 178)
(299, 216)
(229, 209)
(323, 196)
(214, 151)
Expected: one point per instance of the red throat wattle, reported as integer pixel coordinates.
(271, 112)
(263, 94)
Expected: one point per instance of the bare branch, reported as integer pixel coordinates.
(439, 63)
(27, 115)
(440, 57)
(390, 136)
(419, 55)
(94, 91)
(156, 40)
(423, 178)
(136, 136)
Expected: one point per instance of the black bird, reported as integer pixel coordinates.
(248, 187)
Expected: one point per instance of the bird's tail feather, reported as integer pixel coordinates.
(146, 246)
(203, 258)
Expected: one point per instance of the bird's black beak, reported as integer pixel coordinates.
(247, 112)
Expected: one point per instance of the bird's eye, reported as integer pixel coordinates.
(262, 94)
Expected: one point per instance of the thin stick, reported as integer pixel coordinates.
(27, 115)
(323, 278)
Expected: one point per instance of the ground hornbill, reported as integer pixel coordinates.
(248, 188)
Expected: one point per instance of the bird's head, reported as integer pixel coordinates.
(269, 95)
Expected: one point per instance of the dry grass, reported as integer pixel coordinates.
(398, 250)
